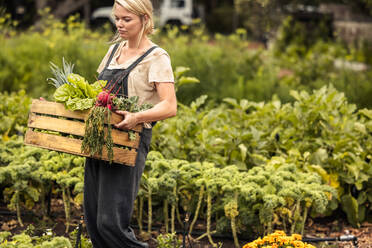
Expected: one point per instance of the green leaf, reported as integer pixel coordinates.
(366, 112)
(243, 151)
(360, 127)
(362, 198)
(198, 102)
(319, 157)
(244, 104)
(362, 213)
(231, 101)
(180, 70)
(350, 206)
(295, 95)
(33, 193)
(188, 80)
(98, 85)
(81, 85)
(79, 104)
(62, 93)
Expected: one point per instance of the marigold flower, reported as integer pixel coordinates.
(278, 239)
(296, 237)
(298, 244)
(282, 233)
(259, 241)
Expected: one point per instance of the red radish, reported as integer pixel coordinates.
(104, 98)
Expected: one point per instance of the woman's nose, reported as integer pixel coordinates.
(119, 23)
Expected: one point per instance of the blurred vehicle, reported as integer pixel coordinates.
(172, 12)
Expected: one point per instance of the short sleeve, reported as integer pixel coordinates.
(160, 70)
(104, 60)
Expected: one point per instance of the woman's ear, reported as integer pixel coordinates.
(145, 19)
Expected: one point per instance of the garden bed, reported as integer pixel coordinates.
(326, 227)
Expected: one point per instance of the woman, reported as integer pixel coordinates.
(110, 189)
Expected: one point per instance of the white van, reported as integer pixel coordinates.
(173, 12)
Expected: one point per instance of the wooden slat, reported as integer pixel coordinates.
(76, 128)
(72, 146)
(58, 109)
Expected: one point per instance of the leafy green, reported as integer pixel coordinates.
(79, 104)
(62, 93)
(79, 94)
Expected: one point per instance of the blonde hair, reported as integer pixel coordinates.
(140, 8)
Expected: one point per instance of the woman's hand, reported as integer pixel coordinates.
(129, 121)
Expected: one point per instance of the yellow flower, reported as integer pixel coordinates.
(250, 245)
(259, 241)
(278, 239)
(296, 237)
(265, 239)
(298, 244)
(280, 232)
(271, 239)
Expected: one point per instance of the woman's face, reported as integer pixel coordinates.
(128, 24)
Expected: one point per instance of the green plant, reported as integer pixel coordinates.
(14, 108)
(61, 75)
(169, 240)
(48, 239)
(320, 132)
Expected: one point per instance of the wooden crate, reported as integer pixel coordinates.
(45, 115)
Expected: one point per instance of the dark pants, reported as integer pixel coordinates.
(109, 194)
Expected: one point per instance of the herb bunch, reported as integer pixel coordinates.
(94, 137)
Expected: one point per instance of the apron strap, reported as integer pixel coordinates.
(125, 74)
(112, 55)
(135, 63)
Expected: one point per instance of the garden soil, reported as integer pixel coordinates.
(317, 228)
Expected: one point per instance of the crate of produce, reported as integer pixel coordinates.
(52, 126)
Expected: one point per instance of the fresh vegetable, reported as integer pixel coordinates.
(95, 135)
(79, 94)
(72, 89)
(60, 75)
(104, 99)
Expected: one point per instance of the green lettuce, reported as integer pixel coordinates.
(79, 103)
(79, 94)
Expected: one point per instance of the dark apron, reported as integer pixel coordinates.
(111, 189)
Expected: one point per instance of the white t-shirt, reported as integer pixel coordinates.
(155, 67)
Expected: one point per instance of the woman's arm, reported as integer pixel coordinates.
(167, 107)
